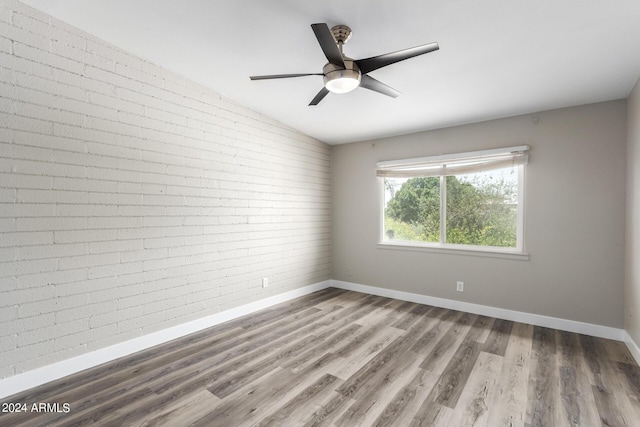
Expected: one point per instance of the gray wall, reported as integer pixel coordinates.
(132, 200)
(632, 288)
(574, 217)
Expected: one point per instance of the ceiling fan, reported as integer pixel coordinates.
(343, 74)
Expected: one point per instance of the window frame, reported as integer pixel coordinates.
(517, 252)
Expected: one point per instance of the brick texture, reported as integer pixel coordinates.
(132, 200)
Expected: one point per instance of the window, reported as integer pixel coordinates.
(457, 201)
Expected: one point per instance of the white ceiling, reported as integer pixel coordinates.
(497, 58)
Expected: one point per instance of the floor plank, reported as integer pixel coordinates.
(383, 386)
(542, 405)
(406, 402)
(472, 408)
(342, 358)
(612, 404)
(294, 410)
(185, 410)
(578, 403)
(509, 404)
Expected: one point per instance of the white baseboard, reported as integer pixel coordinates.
(500, 313)
(36, 377)
(39, 376)
(632, 346)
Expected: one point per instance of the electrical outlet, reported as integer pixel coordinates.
(460, 286)
(265, 282)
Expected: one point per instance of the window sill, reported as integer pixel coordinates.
(484, 252)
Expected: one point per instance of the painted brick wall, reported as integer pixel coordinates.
(132, 200)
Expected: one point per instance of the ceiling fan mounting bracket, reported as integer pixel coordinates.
(341, 33)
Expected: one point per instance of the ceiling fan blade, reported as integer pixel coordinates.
(323, 92)
(328, 44)
(369, 64)
(283, 76)
(370, 83)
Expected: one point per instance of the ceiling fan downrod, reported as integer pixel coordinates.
(341, 34)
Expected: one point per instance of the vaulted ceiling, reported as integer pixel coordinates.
(496, 59)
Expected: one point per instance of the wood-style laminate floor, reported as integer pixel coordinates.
(340, 358)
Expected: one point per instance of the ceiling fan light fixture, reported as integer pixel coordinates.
(342, 81)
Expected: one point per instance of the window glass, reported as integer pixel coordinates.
(482, 208)
(472, 209)
(413, 209)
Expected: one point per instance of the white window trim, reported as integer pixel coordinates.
(519, 252)
(488, 252)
